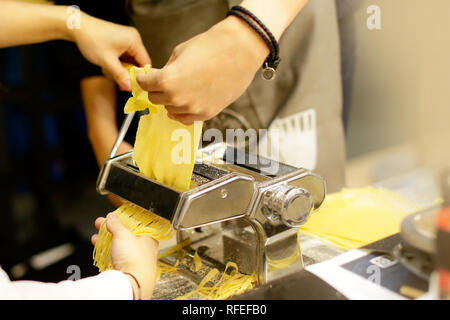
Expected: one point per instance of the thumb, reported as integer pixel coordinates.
(114, 226)
(115, 69)
(150, 81)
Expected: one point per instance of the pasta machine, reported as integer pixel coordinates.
(237, 210)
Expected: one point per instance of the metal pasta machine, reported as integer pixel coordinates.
(237, 210)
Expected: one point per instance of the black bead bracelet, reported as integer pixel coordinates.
(273, 60)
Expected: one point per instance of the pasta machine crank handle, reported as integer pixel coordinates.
(123, 131)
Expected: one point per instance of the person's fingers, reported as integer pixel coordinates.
(94, 239)
(114, 226)
(159, 98)
(151, 81)
(114, 67)
(176, 110)
(186, 119)
(140, 55)
(107, 74)
(98, 222)
(136, 50)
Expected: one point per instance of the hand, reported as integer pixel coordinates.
(135, 255)
(103, 43)
(208, 72)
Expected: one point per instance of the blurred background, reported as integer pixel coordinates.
(396, 113)
(399, 101)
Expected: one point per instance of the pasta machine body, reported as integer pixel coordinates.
(241, 207)
(237, 210)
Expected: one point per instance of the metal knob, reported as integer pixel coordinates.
(291, 205)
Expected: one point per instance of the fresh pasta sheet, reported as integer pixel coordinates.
(354, 218)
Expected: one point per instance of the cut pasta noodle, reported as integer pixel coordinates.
(140, 222)
(197, 262)
(230, 283)
(164, 268)
(214, 285)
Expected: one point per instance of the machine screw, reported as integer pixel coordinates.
(223, 193)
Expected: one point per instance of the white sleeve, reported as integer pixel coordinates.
(108, 285)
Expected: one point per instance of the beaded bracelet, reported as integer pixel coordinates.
(273, 60)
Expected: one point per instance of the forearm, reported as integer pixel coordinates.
(108, 285)
(276, 15)
(26, 23)
(99, 99)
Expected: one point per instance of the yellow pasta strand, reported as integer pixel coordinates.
(224, 285)
(197, 262)
(164, 268)
(140, 222)
(229, 284)
(139, 101)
